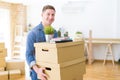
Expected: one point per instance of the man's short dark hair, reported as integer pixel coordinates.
(48, 7)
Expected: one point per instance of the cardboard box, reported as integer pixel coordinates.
(3, 52)
(2, 68)
(71, 70)
(14, 74)
(3, 75)
(2, 62)
(59, 52)
(2, 45)
(15, 64)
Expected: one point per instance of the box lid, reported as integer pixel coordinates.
(56, 45)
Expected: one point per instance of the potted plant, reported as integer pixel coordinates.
(78, 32)
(78, 36)
(49, 32)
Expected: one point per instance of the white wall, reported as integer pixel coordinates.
(98, 15)
(118, 18)
(101, 16)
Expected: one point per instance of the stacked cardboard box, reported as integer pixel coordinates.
(2, 44)
(15, 64)
(10, 69)
(2, 69)
(3, 75)
(14, 74)
(15, 68)
(2, 63)
(63, 61)
(3, 54)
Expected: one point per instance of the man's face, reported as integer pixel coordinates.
(48, 16)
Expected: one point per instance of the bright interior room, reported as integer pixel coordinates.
(87, 46)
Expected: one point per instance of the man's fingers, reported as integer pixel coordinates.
(44, 74)
(43, 78)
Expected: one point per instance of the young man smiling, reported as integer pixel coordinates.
(37, 35)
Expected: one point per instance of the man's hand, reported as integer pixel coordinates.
(40, 72)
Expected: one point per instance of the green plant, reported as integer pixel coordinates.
(48, 30)
(78, 32)
(59, 33)
(66, 34)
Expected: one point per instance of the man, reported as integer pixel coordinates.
(37, 35)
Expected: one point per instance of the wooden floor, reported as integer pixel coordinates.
(98, 71)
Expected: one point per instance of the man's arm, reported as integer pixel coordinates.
(30, 50)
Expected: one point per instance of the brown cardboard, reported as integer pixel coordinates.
(59, 52)
(2, 45)
(2, 68)
(2, 62)
(16, 64)
(3, 52)
(73, 70)
(3, 75)
(14, 74)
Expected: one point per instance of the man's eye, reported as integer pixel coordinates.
(53, 14)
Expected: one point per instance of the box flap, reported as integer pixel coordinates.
(64, 64)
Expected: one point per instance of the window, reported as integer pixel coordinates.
(5, 28)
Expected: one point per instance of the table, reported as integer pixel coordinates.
(108, 41)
